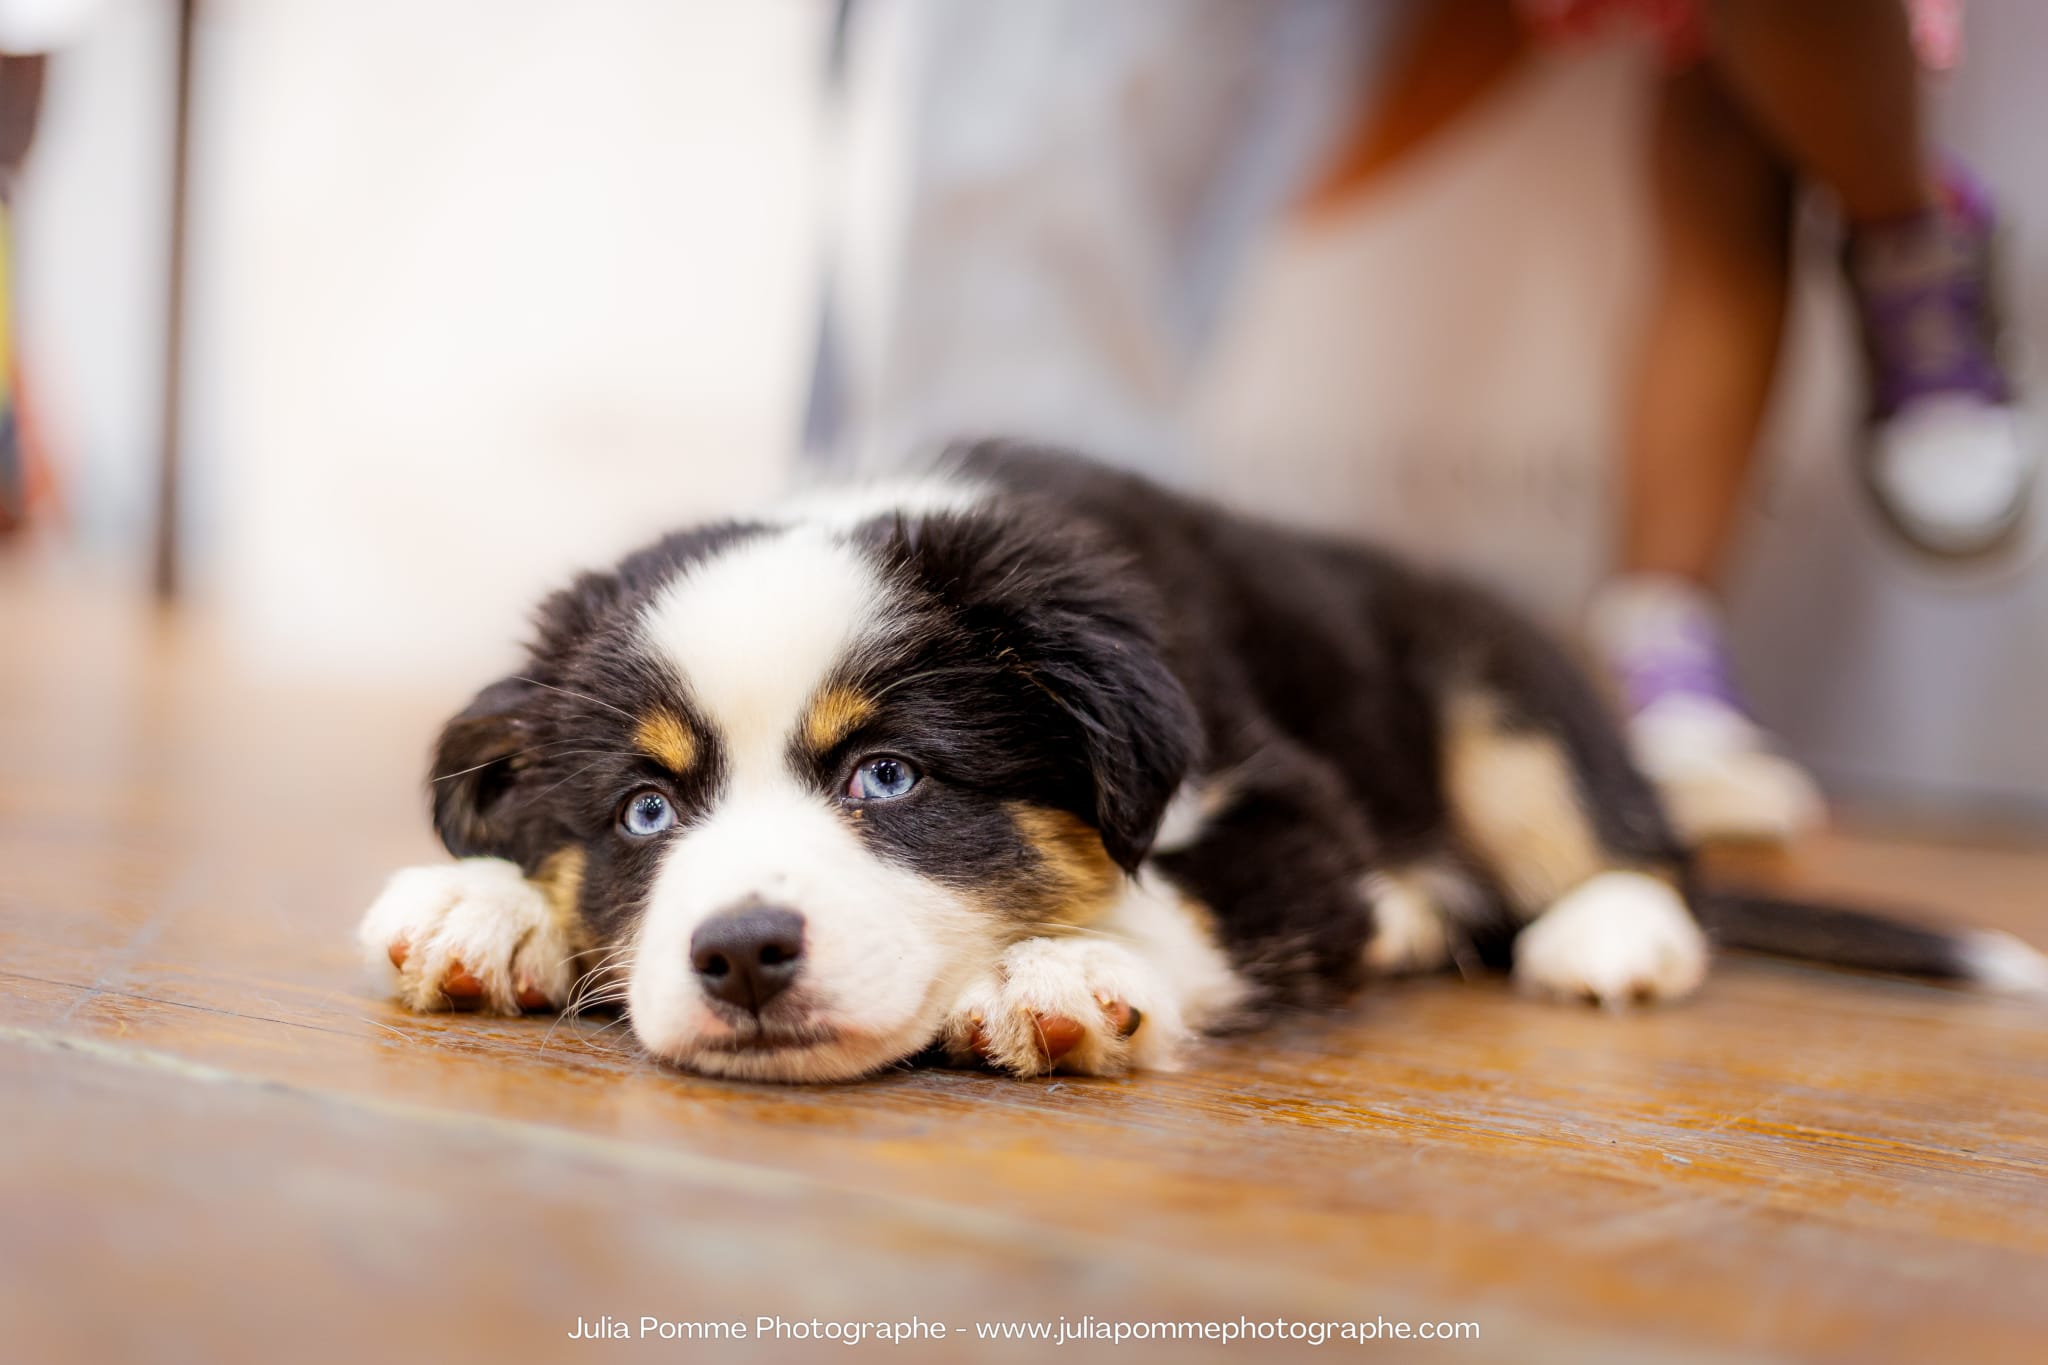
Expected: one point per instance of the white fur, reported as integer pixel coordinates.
(1194, 804)
(480, 912)
(1999, 962)
(1408, 932)
(1168, 931)
(1417, 913)
(1619, 938)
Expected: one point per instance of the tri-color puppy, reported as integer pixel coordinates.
(1040, 764)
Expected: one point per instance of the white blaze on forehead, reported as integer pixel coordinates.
(755, 630)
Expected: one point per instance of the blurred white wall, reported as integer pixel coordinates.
(492, 290)
(482, 290)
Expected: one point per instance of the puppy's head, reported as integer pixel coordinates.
(820, 772)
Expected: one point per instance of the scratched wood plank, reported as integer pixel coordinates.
(1799, 1163)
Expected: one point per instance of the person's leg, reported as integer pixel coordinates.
(1723, 201)
(1723, 210)
(1835, 83)
(1444, 59)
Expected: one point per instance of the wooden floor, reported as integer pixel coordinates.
(217, 1141)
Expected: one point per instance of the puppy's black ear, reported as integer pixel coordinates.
(1067, 614)
(477, 763)
(1140, 735)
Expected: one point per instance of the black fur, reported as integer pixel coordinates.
(1049, 643)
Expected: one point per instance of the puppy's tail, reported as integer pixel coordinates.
(1867, 940)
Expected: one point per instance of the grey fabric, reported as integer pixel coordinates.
(1079, 185)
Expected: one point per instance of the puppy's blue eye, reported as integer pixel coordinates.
(647, 813)
(881, 779)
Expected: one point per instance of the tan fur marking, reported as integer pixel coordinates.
(560, 879)
(832, 716)
(1083, 879)
(663, 735)
(1516, 804)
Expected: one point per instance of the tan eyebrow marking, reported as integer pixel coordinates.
(663, 735)
(833, 715)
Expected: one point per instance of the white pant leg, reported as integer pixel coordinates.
(1047, 203)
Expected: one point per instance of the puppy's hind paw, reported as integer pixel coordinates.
(1621, 938)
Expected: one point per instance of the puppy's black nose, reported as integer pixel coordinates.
(749, 957)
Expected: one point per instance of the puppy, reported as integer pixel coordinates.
(1039, 764)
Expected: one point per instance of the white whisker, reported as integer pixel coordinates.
(580, 696)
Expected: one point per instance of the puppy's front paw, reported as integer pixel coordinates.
(1621, 938)
(1082, 1005)
(475, 933)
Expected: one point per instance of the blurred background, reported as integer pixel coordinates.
(480, 291)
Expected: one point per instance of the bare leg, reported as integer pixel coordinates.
(1834, 84)
(1449, 56)
(1724, 218)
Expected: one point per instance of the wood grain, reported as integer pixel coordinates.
(219, 1142)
